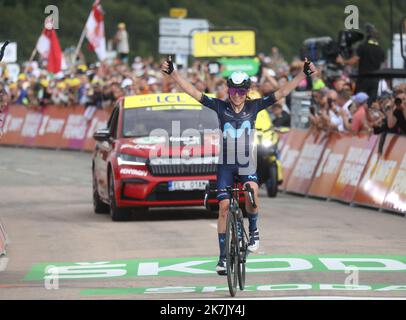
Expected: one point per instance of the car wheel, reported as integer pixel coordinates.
(98, 205)
(139, 212)
(117, 214)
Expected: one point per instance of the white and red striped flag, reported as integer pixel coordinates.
(49, 48)
(95, 31)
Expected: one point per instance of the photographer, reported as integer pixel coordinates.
(396, 114)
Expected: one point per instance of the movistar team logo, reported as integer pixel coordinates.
(236, 133)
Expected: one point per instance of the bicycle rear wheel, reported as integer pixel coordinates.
(242, 255)
(232, 253)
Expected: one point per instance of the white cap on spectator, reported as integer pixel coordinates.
(152, 81)
(126, 83)
(60, 75)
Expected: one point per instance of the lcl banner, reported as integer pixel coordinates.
(224, 44)
(309, 158)
(353, 167)
(290, 153)
(379, 174)
(330, 165)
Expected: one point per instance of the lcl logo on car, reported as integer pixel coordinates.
(170, 98)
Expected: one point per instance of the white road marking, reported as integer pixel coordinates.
(66, 179)
(29, 172)
(213, 225)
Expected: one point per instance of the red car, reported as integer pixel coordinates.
(159, 150)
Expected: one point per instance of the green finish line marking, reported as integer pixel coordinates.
(249, 288)
(198, 266)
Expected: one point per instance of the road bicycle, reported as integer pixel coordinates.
(237, 239)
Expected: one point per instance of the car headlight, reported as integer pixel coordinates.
(127, 159)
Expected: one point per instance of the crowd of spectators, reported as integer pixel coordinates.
(333, 108)
(343, 111)
(101, 84)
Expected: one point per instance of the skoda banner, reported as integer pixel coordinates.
(224, 44)
(249, 66)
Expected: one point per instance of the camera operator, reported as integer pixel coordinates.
(369, 57)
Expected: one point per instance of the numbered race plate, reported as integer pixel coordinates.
(187, 185)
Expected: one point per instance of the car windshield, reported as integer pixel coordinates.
(139, 122)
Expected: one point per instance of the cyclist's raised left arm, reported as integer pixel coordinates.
(291, 85)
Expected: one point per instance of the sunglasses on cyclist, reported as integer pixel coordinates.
(241, 91)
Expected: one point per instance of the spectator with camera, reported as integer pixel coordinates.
(396, 114)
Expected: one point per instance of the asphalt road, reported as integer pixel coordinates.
(46, 208)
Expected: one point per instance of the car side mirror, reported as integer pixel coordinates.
(102, 135)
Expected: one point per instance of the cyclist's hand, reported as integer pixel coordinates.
(167, 66)
(309, 68)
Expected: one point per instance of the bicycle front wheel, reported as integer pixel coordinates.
(242, 255)
(232, 253)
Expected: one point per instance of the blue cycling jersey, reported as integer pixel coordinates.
(237, 128)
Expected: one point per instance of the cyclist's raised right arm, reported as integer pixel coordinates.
(186, 86)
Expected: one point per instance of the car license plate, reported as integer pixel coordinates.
(187, 185)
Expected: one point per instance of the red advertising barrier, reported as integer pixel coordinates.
(13, 124)
(306, 165)
(54, 127)
(3, 240)
(282, 140)
(395, 199)
(74, 132)
(353, 167)
(379, 174)
(290, 153)
(99, 121)
(51, 128)
(330, 165)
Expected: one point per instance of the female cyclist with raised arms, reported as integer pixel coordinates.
(237, 120)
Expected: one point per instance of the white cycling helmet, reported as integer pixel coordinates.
(239, 79)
